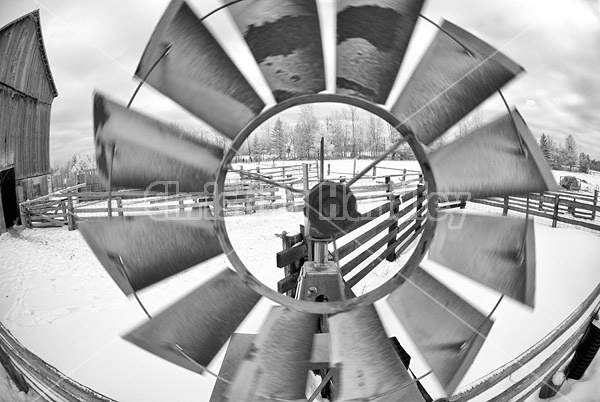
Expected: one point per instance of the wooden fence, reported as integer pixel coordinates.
(243, 194)
(577, 209)
(60, 181)
(54, 209)
(93, 183)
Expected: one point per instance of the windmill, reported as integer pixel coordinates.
(458, 72)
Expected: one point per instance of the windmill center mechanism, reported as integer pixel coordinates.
(332, 211)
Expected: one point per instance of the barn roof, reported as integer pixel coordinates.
(35, 17)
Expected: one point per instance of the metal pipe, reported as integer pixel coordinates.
(321, 251)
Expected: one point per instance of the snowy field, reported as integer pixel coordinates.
(589, 183)
(58, 301)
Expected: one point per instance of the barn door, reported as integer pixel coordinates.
(9, 206)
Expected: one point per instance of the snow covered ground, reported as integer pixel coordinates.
(58, 301)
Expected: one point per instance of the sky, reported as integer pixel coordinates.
(96, 45)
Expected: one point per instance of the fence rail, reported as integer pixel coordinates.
(242, 195)
(558, 206)
(29, 370)
(381, 233)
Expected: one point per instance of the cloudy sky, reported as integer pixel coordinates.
(97, 45)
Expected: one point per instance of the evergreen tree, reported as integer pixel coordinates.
(584, 162)
(546, 150)
(571, 157)
(279, 139)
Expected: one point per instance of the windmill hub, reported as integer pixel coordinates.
(331, 208)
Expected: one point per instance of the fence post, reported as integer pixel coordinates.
(505, 207)
(120, 206)
(26, 217)
(306, 233)
(2, 223)
(250, 199)
(595, 204)
(375, 172)
(393, 212)
(288, 241)
(181, 207)
(328, 169)
(72, 224)
(420, 191)
(555, 214)
(66, 207)
(283, 172)
(305, 176)
(403, 175)
(24, 214)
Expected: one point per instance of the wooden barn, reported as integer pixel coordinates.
(26, 94)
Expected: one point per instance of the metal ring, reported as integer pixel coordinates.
(337, 306)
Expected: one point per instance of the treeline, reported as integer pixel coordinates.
(566, 156)
(77, 163)
(346, 133)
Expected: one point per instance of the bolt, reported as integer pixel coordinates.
(311, 291)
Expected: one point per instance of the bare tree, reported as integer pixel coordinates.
(336, 129)
(350, 113)
(374, 135)
(305, 131)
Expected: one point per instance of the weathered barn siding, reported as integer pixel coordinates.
(24, 134)
(26, 94)
(32, 187)
(24, 65)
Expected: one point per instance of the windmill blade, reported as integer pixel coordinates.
(449, 82)
(498, 252)
(285, 38)
(369, 368)
(372, 37)
(447, 330)
(197, 73)
(501, 158)
(149, 153)
(199, 324)
(278, 363)
(138, 251)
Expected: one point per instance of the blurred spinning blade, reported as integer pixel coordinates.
(498, 159)
(149, 153)
(369, 368)
(199, 324)
(449, 82)
(372, 37)
(441, 324)
(498, 252)
(285, 39)
(138, 251)
(197, 73)
(277, 365)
